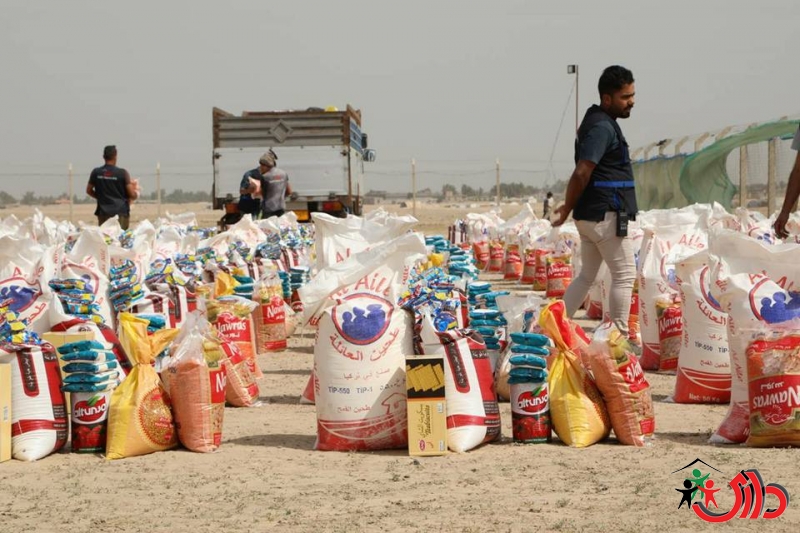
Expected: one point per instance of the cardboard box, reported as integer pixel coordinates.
(5, 412)
(427, 406)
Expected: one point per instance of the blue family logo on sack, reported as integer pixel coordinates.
(363, 321)
(22, 295)
(753, 498)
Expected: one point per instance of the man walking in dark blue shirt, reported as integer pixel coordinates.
(602, 197)
(113, 189)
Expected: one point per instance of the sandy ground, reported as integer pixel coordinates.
(266, 477)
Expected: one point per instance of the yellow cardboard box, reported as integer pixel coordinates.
(427, 406)
(5, 412)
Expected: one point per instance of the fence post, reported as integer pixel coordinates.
(71, 193)
(414, 186)
(771, 171)
(743, 176)
(158, 188)
(497, 171)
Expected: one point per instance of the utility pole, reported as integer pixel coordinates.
(71, 192)
(497, 171)
(158, 187)
(414, 186)
(573, 69)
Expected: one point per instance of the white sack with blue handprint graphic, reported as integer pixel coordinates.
(758, 286)
(362, 340)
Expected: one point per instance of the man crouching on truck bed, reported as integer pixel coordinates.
(274, 187)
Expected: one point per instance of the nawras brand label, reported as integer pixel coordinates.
(234, 327)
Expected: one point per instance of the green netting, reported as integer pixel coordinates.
(667, 182)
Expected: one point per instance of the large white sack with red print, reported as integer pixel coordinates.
(362, 340)
(704, 369)
(39, 416)
(90, 260)
(25, 271)
(664, 229)
(473, 414)
(339, 238)
(757, 285)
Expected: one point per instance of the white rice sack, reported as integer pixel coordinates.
(39, 416)
(362, 341)
(660, 236)
(339, 238)
(704, 370)
(757, 285)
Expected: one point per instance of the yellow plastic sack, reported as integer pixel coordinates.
(577, 410)
(224, 284)
(140, 416)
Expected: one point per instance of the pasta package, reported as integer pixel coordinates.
(241, 387)
(559, 275)
(269, 316)
(540, 270)
(196, 384)
(232, 317)
(670, 333)
(773, 371)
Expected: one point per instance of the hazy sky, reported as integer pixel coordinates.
(454, 84)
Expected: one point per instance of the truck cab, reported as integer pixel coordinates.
(322, 150)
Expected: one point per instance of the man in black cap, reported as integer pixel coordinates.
(113, 189)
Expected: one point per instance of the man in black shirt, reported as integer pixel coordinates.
(602, 198)
(113, 189)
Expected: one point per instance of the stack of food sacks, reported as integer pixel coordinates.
(756, 284)
(362, 341)
(622, 383)
(515, 309)
(77, 297)
(125, 286)
(527, 380)
(90, 375)
(195, 379)
(140, 418)
(577, 410)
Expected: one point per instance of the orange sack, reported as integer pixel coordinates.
(196, 384)
(621, 381)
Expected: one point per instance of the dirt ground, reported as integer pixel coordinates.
(266, 476)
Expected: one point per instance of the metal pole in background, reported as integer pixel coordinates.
(71, 193)
(414, 185)
(771, 175)
(497, 170)
(573, 69)
(158, 187)
(577, 97)
(743, 176)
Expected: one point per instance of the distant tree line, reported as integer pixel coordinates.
(177, 196)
